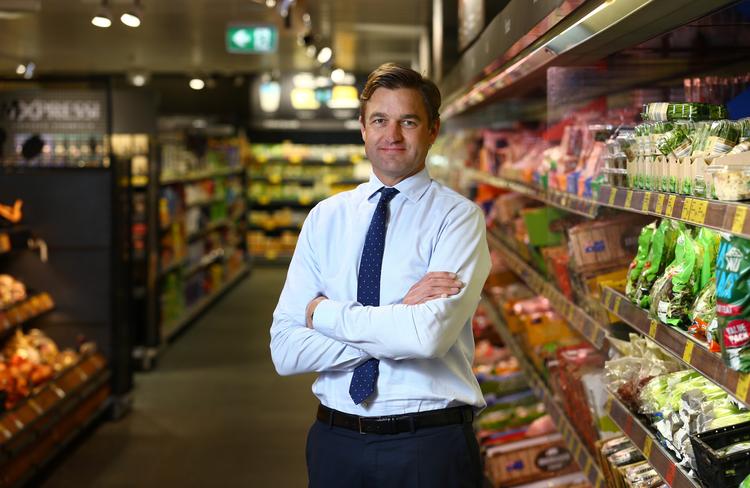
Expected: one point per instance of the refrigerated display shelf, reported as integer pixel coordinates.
(646, 442)
(298, 203)
(579, 320)
(680, 345)
(205, 262)
(276, 228)
(723, 216)
(23, 312)
(13, 238)
(203, 203)
(172, 329)
(719, 215)
(212, 226)
(282, 260)
(330, 161)
(174, 266)
(206, 175)
(562, 200)
(580, 453)
(284, 180)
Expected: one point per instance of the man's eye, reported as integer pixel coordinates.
(378, 121)
(408, 123)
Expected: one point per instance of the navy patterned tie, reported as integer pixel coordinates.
(368, 290)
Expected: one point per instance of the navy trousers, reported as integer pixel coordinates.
(436, 457)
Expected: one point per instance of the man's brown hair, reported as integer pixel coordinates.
(392, 76)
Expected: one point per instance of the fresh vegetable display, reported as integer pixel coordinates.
(673, 292)
(660, 255)
(636, 266)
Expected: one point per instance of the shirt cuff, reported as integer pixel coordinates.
(324, 317)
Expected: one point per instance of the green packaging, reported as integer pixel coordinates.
(661, 253)
(636, 266)
(733, 301)
(673, 292)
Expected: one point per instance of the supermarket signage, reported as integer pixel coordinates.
(252, 38)
(53, 112)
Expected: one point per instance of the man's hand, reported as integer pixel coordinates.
(438, 284)
(311, 310)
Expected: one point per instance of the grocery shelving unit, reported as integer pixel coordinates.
(158, 331)
(573, 442)
(691, 352)
(579, 320)
(646, 442)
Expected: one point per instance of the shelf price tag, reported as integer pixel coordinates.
(660, 203)
(264, 199)
(616, 308)
(647, 446)
(687, 354)
(629, 199)
(698, 211)
(743, 385)
(295, 159)
(687, 205)
(4, 243)
(329, 158)
(652, 330)
(305, 200)
(738, 223)
(671, 472)
(612, 195)
(261, 158)
(670, 205)
(646, 202)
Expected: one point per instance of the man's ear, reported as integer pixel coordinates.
(362, 129)
(434, 131)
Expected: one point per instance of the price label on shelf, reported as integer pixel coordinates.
(305, 199)
(660, 203)
(274, 178)
(646, 202)
(743, 385)
(264, 199)
(612, 196)
(698, 211)
(687, 354)
(616, 308)
(355, 158)
(670, 205)
(671, 472)
(647, 446)
(329, 158)
(629, 199)
(295, 159)
(261, 158)
(687, 205)
(271, 254)
(4, 243)
(738, 222)
(653, 328)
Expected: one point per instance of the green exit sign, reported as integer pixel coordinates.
(252, 39)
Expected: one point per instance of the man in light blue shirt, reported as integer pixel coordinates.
(378, 301)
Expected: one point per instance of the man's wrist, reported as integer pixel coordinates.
(311, 310)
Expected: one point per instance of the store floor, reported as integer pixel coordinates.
(213, 413)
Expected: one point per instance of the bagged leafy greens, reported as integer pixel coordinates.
(636, 266)
(673, 292)
(703, 312)
(733, 301)
(660, 255)
(709, 241)
(722, 137)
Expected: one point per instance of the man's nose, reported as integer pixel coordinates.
(394, 132)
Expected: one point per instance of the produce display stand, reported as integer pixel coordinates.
(573, 442)
(683, 347)
(24, 312)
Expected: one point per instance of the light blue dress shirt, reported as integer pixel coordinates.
(425, 351)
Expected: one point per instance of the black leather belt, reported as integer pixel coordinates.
(396, 424)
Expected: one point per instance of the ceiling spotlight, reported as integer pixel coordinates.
(139, 78)
(20, 69)
(338, 75)
(325, 55)
(197, 84)
(311, 51)
(132, 18)
(306, 19)
(103, 17)
(270, 3)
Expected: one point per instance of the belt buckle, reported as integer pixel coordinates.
(359, 422)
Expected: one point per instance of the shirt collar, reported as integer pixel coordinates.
(412, 187)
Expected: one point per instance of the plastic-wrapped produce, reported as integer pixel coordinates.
(636, 266)
(673, 292)
(677, 142)
(729, 181)
(733, 301)
(703, 312)
(722, 137)
(660, 255)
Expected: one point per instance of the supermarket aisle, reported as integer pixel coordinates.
(214, 413)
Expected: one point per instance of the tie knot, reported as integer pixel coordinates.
(387, 194)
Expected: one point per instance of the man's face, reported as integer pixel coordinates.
(397, 134)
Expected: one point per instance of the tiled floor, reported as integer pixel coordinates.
(212, 414)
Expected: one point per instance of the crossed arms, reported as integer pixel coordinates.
(344, 334)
